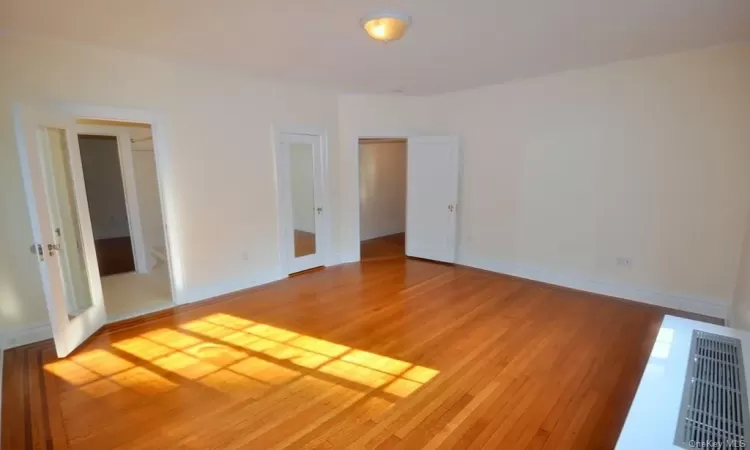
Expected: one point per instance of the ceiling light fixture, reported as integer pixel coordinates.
(386, 25)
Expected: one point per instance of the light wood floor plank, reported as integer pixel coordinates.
(387, 353)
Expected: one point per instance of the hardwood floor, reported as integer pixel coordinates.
(390, 246)
(114, 255)
(390, 353)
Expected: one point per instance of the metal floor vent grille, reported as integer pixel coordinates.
(714, 401)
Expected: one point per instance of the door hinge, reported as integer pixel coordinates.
(38, 250)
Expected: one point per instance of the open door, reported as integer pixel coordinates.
(63, 238)
(432, 197)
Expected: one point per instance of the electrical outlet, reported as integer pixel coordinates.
(623, 261)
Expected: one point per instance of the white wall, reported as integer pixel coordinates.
(382, 188)
(219, 167)
(642, 159)
(645, 159)
(104, 188)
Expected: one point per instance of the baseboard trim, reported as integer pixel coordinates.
(141, 312)
(25, 335)
(228, 287)
(703, 306)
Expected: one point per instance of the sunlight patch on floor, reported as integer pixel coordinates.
(142, 348)
(185, 366)
(143, 381)
(101, 362)
(235, 356)
(171, 338)
(267, 331)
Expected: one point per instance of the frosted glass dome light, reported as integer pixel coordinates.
(386, 26)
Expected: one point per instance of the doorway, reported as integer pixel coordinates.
(122, 191)
(105, 193)
(431, 191)
(382, 198)
(47, 137)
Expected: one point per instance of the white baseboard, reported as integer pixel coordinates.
(347, 259)
(703, 306)
(141, 312)
(227, 287)
(28, 334)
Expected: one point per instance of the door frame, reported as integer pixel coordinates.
(357, 254)
(167, 196)
(127, 171)
(282, 218)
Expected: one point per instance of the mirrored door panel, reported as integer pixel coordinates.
(65, 221)
(300, 193)
(60, 224)
(302, 168)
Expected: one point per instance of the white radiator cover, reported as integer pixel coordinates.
(655, 410)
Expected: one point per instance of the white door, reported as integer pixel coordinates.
(63, 239)
(300, 166)
(432, 197)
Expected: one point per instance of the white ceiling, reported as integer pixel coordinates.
(452, 44)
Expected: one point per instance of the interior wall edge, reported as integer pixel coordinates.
(704, 306)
